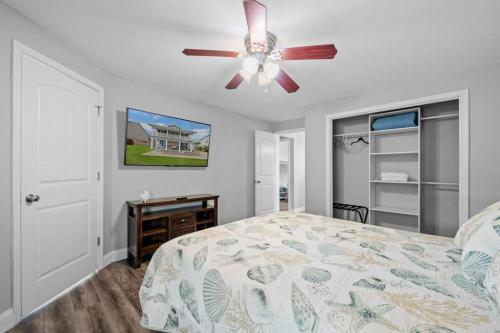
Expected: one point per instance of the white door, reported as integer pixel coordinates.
(59, 190)
(266, 173)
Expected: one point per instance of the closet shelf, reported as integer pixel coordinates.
(396, 130)
(396, 210)
(410, 182)
(440, 183)
(350, 134)
(396, 153)
(445, 116)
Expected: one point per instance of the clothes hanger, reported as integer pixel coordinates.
(360, 139)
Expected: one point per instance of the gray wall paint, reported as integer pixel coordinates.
(484, 88)
(230, 170)
(289, 125)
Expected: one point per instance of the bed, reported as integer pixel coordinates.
(290, 272)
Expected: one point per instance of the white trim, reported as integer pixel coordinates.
(290, 171)
(299, 210)
(108, 258)
(463, 156)
(114, 256)
(18, 50)
(7, 320)
(463, 100)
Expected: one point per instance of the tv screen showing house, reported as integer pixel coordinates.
(155, 139)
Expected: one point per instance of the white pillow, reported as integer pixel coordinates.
(471, 225)
(481, 247)
(492, 282)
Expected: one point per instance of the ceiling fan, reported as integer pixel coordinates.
(262, 58)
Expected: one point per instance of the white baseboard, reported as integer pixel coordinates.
(7, 320)
(299, 210)
(113, 256)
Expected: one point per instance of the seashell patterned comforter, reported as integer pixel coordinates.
(291, 272)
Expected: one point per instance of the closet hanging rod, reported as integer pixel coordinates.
(350, 134)
(444, 116)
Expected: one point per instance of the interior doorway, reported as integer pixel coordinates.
(292, 170)
(285, 174)
(279, 171)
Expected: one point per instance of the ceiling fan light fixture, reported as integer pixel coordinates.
(250, 65)
(261, 57)
(247, 77)
(263, 79)
(271, 69)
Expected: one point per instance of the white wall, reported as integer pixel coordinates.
(231, 167)
(293, 124)
(230, 170)
(484, 88)
(299, 173)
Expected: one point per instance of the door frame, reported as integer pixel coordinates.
(290, 173)
(291, 157)
(463, 110)
(18, 51)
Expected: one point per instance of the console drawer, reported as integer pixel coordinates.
(182, 221)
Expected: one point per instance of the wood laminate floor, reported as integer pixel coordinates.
(107, 302)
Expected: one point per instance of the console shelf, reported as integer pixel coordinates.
(154, 222)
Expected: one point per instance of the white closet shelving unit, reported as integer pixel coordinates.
(392, 203)
(429, 202)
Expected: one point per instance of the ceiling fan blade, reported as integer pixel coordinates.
(327, 51)
(235, 81)
(256, 14)
(286, 82)
(210, 53)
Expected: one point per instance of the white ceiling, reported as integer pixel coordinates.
(379, 42)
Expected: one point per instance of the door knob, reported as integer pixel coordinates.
(30, 198)
(257, 182)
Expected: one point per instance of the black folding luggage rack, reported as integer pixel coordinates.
(353, 208)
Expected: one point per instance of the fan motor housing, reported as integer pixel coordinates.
(256, 48)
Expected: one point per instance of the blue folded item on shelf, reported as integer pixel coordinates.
(397, 121)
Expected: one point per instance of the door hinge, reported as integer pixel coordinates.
(98, 241)
(98, 107)
(98, 176)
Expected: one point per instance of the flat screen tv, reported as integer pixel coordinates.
(157, 140)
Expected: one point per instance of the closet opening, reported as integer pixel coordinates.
(405, 164)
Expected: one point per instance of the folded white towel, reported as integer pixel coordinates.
(394, 179)
(394, 175)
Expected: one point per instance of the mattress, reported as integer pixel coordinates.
(291, 272)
